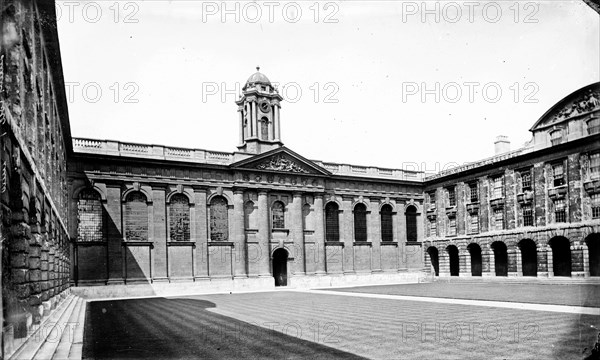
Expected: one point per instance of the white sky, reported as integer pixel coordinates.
(171, 55)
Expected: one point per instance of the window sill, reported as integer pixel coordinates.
(334, 243)
(137, 243)
(181, 243)
(362, 243)
(415, 243)
(90, 243)
(285, 231)
(220, 243)
(389, 243)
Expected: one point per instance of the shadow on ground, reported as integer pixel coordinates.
(162, 328)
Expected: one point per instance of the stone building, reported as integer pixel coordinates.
(261, 216)
(534, 211)
(34, 145)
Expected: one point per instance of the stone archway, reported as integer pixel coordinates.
(454, 260)
(476, 264)
(500, 258)
(280, 259)
(435, 259)
(528, 257)
(561, 256)
(593, 244)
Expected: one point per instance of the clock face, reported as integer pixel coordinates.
(265, 107)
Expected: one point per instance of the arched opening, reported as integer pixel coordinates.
(411, 223)
(593, 245)
(454, 262)
(89, 216)
(280, 258)
(528, 257)
(332, 222)
(561, 256)
(434, 258)
(475, 252)
(219, 219)
(179, 218)
(136, 217)
(360, 222)
(277, 212)
(500, 258)
(387, 232)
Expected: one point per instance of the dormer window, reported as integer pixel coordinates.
(558, 175)
(556, 137)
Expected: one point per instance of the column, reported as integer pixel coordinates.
(512, 261)
(264, 265)
(159, 239)
(320, 234)
(488, 262)
(374, 235)
(586, 260)
(201, 235)
(277, 124)
(255, 120)
(464, 258)
(347, 236)
(550, 261)
(542, 261)
(239, 237)
(577, 260)
(444, 263)
(297, 232)
(115, 234)
(241, 126)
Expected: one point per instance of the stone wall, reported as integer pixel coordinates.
(33, 151)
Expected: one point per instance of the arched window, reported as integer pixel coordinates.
(411, 223)
(360, 222)
(89, 216)
(219, 222)
(387, 232)
(136, 217)
(179, 218)
(332, 222)
(264, 129)
(277, 212)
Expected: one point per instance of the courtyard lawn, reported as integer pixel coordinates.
(289, 324)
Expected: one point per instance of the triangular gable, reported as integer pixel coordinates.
(579, 102)
(281, 160)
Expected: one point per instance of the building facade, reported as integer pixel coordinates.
(261, 215)
(35, 143)
(534, 211)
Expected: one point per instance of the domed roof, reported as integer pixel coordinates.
(258, 77)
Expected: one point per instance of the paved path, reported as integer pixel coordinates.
(497, 304)
(574, 294)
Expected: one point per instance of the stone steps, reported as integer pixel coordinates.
(59, 336)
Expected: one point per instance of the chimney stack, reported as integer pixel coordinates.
(501, 145)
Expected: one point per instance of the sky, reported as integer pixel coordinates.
(412, 85)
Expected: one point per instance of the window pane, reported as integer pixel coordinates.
(278, 215)
(360, 222)
(387, 233)
(136, 217)
(411, 223)
(179, 216)
(89, 216)
(219, 224)
(332, 225)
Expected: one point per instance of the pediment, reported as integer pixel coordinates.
(281, 160)
(580, 102)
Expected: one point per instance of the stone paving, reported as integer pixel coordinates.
(282, 324)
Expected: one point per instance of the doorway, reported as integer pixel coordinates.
(280, 258)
